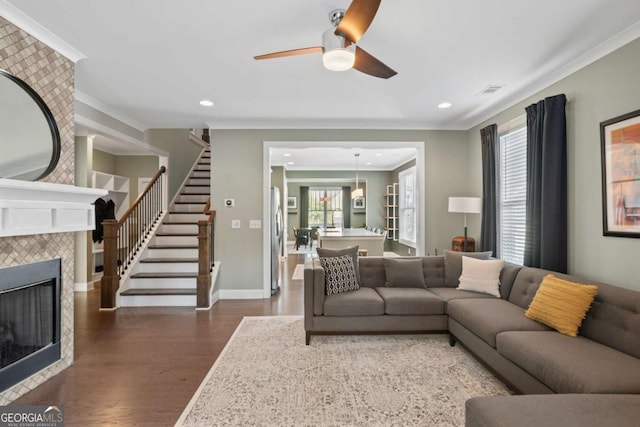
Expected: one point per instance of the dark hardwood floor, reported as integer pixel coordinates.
(141, 366)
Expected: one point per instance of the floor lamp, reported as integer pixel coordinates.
(465, 205)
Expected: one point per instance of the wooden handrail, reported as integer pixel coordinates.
(137, 201)
(124, 238)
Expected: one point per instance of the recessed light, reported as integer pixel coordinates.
(444, 105)
(368, 163)
(291, 163)
(287, 154)
(379, 154)
(206, 103)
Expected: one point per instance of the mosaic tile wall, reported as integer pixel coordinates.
(52, 76)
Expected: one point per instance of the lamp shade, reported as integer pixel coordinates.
(465, 204)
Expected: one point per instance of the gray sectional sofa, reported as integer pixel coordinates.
(529, 356)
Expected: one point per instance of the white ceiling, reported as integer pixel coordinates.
(154, 60)
(341, 158)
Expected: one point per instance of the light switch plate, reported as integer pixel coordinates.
(235, 223)
(255, 223)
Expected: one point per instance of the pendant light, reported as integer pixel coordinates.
(358, 191)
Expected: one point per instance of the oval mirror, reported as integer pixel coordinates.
(29, 137)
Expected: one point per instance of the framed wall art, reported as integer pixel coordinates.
(620, 145)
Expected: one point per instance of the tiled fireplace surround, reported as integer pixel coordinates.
(52, 76)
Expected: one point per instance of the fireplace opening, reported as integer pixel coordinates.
(29, 320)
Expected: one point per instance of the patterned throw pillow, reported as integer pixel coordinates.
(339, 274)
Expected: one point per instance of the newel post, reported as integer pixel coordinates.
(110, 279)
(204, 264)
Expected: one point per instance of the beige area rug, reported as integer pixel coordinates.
(298, 272)
(267, 376)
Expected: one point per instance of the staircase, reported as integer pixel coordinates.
(168, 268)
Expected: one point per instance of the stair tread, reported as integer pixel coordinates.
(190, 203)
(158, 291)
(188, 213)
(177, 234)
(168, 260)
(173, 247)
(178, 223)
(195, 194)
(163, 275)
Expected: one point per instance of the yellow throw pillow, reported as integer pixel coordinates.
(561, 304)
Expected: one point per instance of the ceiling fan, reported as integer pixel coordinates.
(339, 49)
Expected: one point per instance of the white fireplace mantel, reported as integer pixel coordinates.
(42, 207)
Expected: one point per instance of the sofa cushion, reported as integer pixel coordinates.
(561, 304)
(571, 364)
(339, 274)
(487, 317)
(410, 301)
(404, 273)
(363, 302)
(453, 265)
(481, 275)
(448, 294)
(351, 250)
(566, 410)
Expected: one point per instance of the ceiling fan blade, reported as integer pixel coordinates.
(370, 65)
(292, 52)
(357, 19)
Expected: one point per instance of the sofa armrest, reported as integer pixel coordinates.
(313, 289)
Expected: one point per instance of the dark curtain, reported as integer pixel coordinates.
(546, 226)
(304, 207)
(346, 207)
(489, 226)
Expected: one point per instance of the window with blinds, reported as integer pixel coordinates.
(513, 193)
(408, 204)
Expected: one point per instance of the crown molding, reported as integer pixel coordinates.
(96, 104)
(24, 22)
(626, 36)
(288, 123)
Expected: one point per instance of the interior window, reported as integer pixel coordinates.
(512, 193)
(408, 204)
(325, 207)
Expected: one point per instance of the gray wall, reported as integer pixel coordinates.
(605, 89)
(373, 184)
(182, 153)
(237, 173)
(104, 162)
(134, 167)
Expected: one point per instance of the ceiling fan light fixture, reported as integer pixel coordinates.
(340, 59)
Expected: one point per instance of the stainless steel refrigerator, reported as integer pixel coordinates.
(276, 238)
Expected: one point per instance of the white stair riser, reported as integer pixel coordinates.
(193, 198)
(179, 228)
(201, 174)
(194, 218)
(158, 301)
(203, 168)
(162, 283)
(190, 190)
(172, 253)
(176, 240)
(168, 267)
(205, 160)
(192, 207)
(199, 181)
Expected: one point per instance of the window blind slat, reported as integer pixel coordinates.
(513, 191)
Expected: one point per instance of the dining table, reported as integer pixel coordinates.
(338, 238)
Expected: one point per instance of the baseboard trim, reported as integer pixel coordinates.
(241, 293)
(83, 287)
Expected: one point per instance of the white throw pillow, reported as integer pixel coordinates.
(480, 275)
